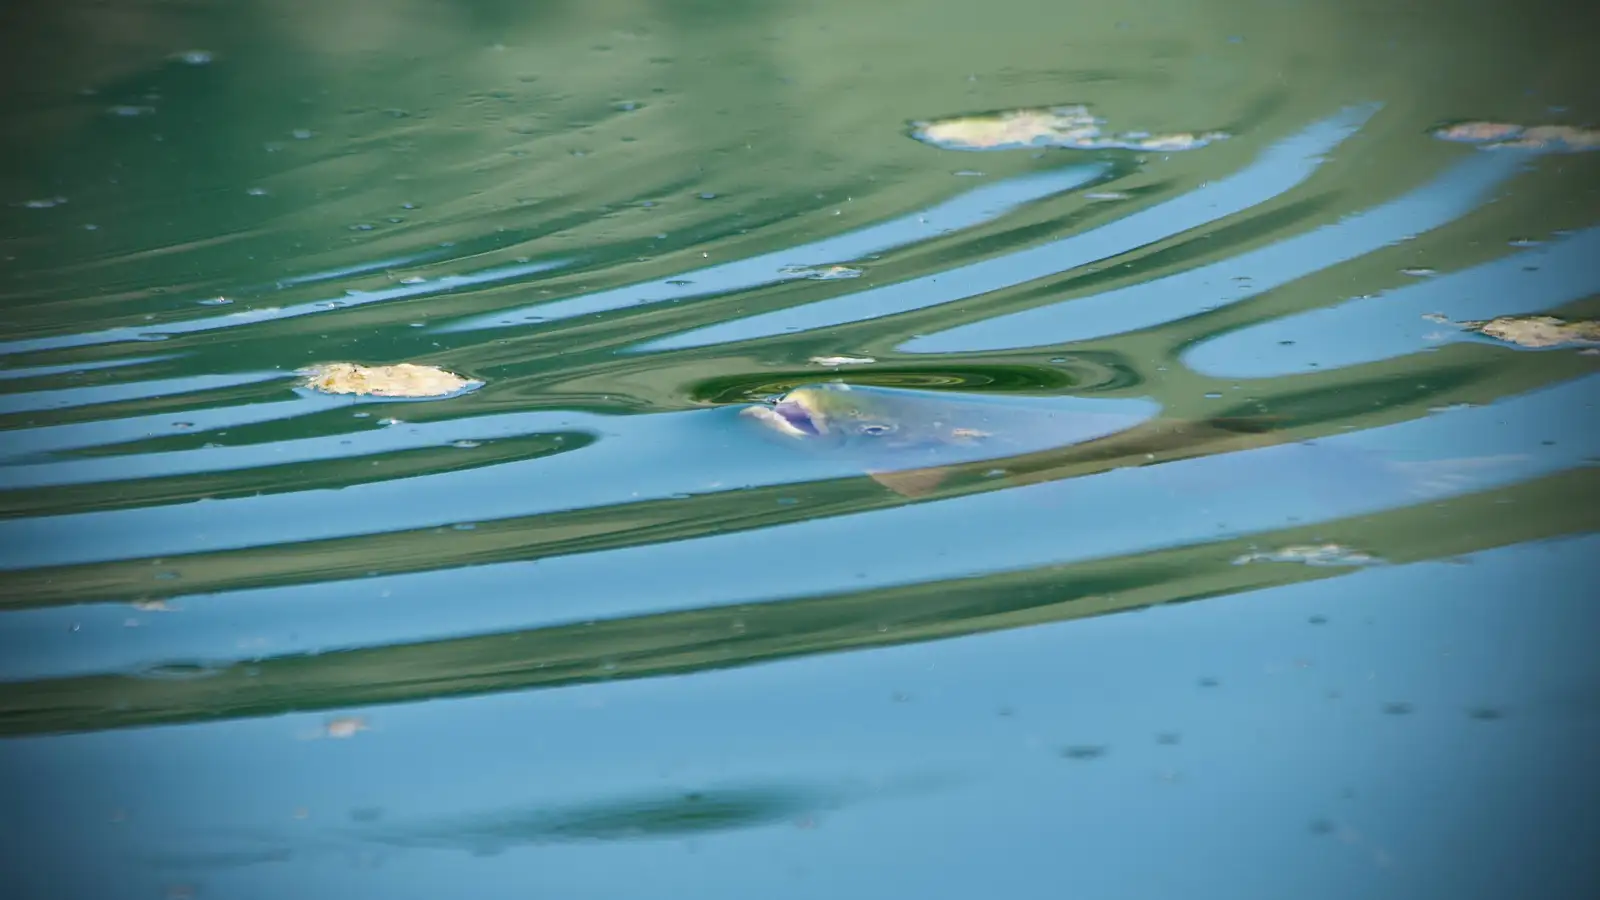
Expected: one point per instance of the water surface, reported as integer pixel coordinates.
(586, 631)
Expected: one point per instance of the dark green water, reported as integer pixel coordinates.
(587, 631)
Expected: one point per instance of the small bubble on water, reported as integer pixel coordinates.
(303, 134)
(362, 226)
(394, 220)
(215, 301)
(466, 445)
(464, 526)
(182, 424)
(194, 57)
(362, 415)
(345, 727)
(387, 422)
(44, 202)
(128, 111)
(708, 196)
(1419, 271)
(625, 106)
(822, 273)
(413, 279)
(256, 191)
(1213, 395)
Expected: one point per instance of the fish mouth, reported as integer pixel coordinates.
(793, 414)
(799, 415)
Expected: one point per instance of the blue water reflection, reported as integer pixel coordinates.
(1458, 191)
(1117, 513)
(966, 210)
(1405, 320)
(1348, 728)
(1279, 169)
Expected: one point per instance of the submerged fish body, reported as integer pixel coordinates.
(870, 419)
(912, 441)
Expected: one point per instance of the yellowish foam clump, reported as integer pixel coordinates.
(402, 380)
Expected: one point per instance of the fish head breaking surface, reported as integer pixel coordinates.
(864, 417)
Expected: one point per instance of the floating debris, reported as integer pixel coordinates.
(403, 380)
(821, 273)
(1538, 332)
(1509, 136)
(1070, 127)
(1477, 132)
(345, 727)
(1311, 555)
(835, 361)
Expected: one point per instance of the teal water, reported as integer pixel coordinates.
(588, 631)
